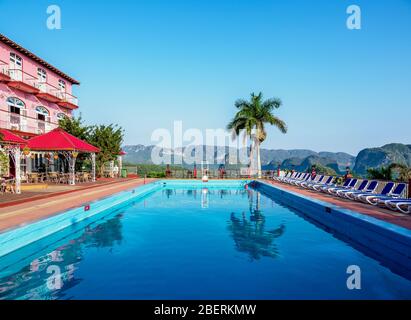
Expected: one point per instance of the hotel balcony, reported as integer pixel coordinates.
(4, 72)
(24, 125)
(49, 92)
(23, 81)
(68, 101)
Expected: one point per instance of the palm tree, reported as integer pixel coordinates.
(254, 114)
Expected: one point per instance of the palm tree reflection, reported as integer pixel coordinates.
(250, 235)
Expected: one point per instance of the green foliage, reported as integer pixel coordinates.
(149, 169)
(109, 139)
(4, 163)
(76, 127)
(254, 114)
(394, 171)
(324, 170)
(154, 174)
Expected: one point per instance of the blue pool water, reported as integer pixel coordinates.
(189, 243)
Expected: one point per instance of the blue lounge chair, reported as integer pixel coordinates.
(403, 205)
(333, 186)
(307, 177)
(350, 186)
(296, 175)
(384, 192)
(372, 186)
(316, 180)
(361, 187)
(395, 194)
(300, 177)
(318, 186)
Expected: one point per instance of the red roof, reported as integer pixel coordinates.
(11, 138)
(60, 140)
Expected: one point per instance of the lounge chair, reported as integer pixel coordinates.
(372, 186)
(402, 205)
(350, 186)
(384, 192)
(317, 179)
(361, 187)
(328, 182)
(334, 185)
(306, 177)
(380, 200)
(297, 176)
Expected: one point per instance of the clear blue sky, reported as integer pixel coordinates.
(144, 64)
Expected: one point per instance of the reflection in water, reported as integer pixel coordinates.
(250, 235)
(29, 282)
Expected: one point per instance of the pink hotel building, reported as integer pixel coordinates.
(34, 95)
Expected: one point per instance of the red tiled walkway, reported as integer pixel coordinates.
(397, 218)
(34, 209)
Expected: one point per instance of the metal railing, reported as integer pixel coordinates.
(18, 122)
(22, 76)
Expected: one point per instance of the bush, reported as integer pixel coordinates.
(156, 174)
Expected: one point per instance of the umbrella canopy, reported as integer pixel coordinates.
(122, 153)
(60, 140)
(10, 138)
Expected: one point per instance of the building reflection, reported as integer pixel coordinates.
(250, 234)
(31, 281)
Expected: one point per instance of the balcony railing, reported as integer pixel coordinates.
(70, 99)
(18, 122)
(21, 76)
(50, 92)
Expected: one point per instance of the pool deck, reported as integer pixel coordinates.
(19, 210)
(396, 218)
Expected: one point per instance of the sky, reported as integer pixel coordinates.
(145, 64)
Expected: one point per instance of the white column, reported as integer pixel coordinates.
(93, 167)
(120, 164)
(17, 164)
(72, 168)
(111, 168)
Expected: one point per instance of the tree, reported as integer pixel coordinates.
(254, 115)
(76, 127)
(108, 139)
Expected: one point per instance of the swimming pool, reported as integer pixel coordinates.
(179, 240)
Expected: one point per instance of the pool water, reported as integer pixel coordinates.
(197, 244)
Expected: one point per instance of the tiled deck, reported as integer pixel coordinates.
(376, 212)
(34, 205)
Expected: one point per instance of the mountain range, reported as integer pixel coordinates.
(298, 159)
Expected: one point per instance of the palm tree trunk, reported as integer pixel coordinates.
(258, 159)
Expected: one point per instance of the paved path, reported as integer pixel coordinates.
(32, 210)
(397, 218)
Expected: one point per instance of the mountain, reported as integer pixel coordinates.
(298, 159)
(269, 158)
(383, 156)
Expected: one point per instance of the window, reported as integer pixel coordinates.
(62, 86)
(15, 105)
(42, 113)
(42, 75)
(15, 61)
(61, 116)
